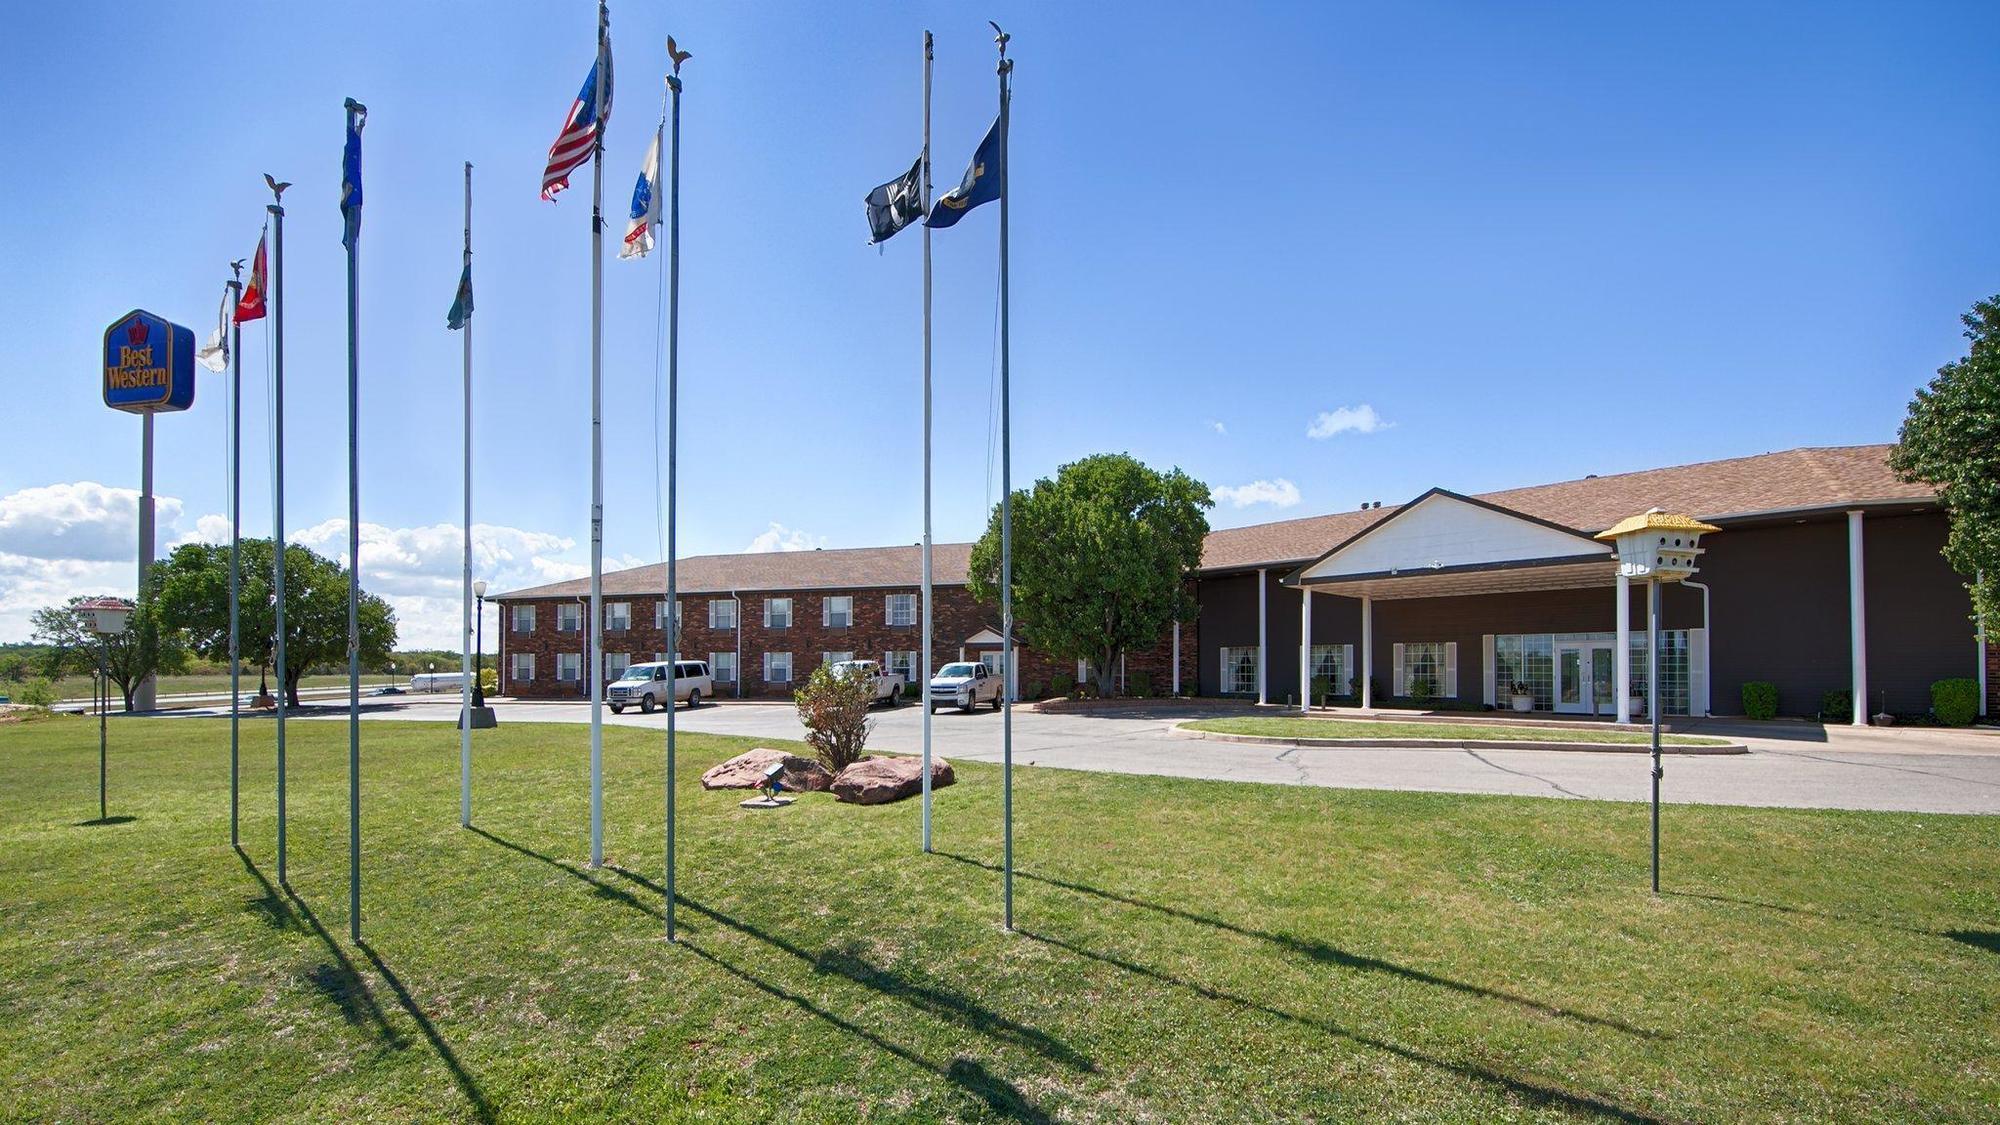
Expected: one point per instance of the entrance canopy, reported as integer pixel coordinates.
(1443, 544)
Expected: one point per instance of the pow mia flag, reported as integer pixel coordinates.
(896, 204)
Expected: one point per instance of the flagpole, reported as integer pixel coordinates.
(235, 536)
(356, 115)
(1006, 526)
(925, 672)
(277, 210)
(465, 638)
(673, 426)
(596, 628)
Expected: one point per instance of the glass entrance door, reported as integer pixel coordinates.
(1584, 679)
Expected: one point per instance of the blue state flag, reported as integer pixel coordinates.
(350, 176)
(985, 181)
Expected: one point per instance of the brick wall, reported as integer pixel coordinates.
(955, 617)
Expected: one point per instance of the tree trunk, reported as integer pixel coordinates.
(1107, 675)
(292, 687)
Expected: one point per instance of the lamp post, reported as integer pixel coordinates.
(392, 672)
(431, 683)
(107, 618)
(1655, 547)
(479, 643)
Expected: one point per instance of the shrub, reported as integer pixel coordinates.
(36, 693)
(1955, 702)
(1140, 684)
(835, 709)
(1760, 699)
(489, 681)
(1422, 690)
(1061, 684)
(1322, 689)
(1032, 689)
(1836, 706)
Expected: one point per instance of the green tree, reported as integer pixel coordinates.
(833, 706)
(142, 650)
(1104, 556)
(194, 602)
(1951, 441)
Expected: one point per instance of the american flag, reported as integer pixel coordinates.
(581, 129)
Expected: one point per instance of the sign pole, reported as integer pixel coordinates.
(104, 705)
(144, 695)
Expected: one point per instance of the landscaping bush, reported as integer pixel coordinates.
(1322, 690)
(1061, 685)
(1140, 684)
(835, 711)
(489, 681)
(1032, 689)
(1955, 702)
(1760, 699)
(1836, 706)
(36, 693)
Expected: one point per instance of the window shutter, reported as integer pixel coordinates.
(825, 611)
(1491, 681)
(888, 609)
(1347, 667)
(767, 625)
(1396, 670)
(1697, 671)
(1451, 669)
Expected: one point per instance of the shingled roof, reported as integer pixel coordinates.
(1790, 481)
(1793, 480)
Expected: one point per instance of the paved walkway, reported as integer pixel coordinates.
(1789, 765)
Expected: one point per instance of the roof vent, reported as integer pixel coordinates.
(1590, 476)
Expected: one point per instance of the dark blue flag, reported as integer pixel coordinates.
(985, 181)
(350, 175)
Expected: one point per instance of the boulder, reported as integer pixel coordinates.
(746, 771)
(877, 781)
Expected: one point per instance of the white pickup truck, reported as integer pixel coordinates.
(888, 684)
(964, 684)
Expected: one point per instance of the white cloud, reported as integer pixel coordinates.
(1218, 427)
(781, 538)
(1347, 419)
(1279, 493)
(78, 520)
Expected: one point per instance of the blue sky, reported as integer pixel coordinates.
(1491, 241)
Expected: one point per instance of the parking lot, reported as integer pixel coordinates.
(1789, 764)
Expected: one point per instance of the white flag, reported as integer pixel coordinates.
(645, 206)
(214, 355)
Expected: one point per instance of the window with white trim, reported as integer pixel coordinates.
(902, 662)
(569, 667)
(615, 664)
(777, 667)
(837, 611)
(1239, 670)
(617, 616)
(521, 667)
(522, 617)
(778, 615)
(722, 613)
(1426, 669)
(835, 657)
(1333, 664)
(660, 614)
(569, 617)
(722, 665)
(900, 609)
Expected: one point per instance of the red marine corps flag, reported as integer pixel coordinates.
(251, 307)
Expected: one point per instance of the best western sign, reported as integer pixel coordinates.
(148, 364)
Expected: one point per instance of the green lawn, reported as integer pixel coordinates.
(1273, 726)
(1187, 950)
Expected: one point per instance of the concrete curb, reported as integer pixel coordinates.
(1454, 744)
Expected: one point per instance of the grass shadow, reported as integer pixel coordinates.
(104, 820)
(1989, 940)
(1526, 1088)
(969, 1075)
(345, 986)
(1324, 953)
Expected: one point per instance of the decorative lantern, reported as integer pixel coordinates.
(1657, 545)
(107, 616)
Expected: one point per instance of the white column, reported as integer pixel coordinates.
(1857, 617)
(1177, 658)
(1263, 637)
(1305, 647)
(1367, 651)
(1621, 657)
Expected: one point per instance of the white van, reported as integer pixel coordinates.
(645, 685)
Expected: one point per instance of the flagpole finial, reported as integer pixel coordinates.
(675, 53)
(277, 188)
(236, 268)
(353, 106)
(1000, 37)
